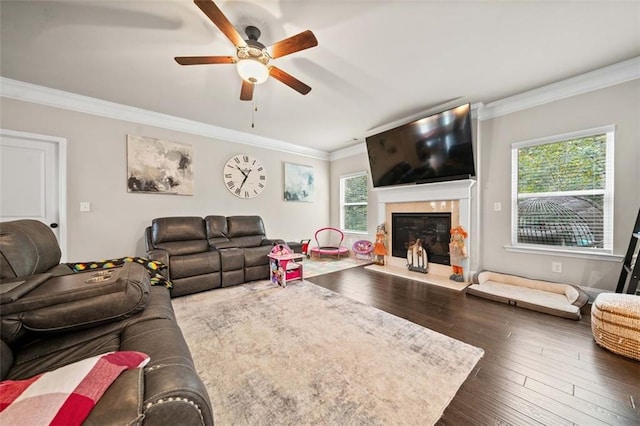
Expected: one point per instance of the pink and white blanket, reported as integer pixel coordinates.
(67, 395)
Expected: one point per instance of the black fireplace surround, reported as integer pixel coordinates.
(431, 228)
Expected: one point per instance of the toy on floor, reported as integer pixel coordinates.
(457, 253)
(379, 247)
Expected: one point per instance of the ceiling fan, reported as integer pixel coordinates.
(253, 58)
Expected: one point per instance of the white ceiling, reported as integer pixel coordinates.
(376, 61)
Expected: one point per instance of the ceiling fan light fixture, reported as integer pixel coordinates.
(252, 70)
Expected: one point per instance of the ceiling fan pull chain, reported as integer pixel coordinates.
(254, 109)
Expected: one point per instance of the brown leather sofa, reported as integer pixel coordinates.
(210, 252)
(51, 317)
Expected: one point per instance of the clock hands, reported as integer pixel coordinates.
(246, 176)
(243, 172)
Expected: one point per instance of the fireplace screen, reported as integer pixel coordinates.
(431, 228)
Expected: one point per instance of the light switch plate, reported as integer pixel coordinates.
(85, 206)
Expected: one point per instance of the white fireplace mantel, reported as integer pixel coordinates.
(450, 190)
(458, 190)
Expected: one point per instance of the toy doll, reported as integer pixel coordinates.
(457, 252)
(379, 247)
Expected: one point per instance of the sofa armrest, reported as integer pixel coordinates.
(148, 239)
(173, 391)
(161, 256)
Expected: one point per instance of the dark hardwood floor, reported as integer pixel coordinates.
(537, 368)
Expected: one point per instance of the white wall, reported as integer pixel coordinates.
(346, 166)
(619, 105)
(96, 172)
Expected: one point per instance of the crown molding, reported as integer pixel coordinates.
(360, 148)
(584, 83)
(598, 79)
(28, 92)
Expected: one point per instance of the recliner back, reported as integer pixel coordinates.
(27, 247)
(179, 235)
(246, 231)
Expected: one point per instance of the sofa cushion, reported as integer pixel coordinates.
(181, 248)
(194, 264)
(179, 228)
(254, 256)
(179, 235)
(242, 226)
(66, 395)
(196, 284)
(27, 247)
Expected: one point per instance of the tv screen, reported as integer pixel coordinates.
(433, 149)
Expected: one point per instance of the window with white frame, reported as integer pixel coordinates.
(562, 191)
(353, 202)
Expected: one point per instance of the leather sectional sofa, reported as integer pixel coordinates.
(52, 317)
(211, 252)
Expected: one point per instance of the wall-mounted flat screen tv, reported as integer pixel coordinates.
(433, 149)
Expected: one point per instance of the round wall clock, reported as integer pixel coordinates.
(244, 176)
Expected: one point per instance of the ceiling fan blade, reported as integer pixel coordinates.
(293, 44)
(289, 80)
(246, 91)
(202, 60)
(217, 17)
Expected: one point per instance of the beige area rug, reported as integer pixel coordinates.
(320, 266)
(429, 278)
(306, 355)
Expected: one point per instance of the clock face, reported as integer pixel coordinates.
(244, 176)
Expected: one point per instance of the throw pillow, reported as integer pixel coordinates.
(67, 395)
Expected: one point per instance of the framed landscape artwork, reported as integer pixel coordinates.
(298, 182)
(159, 166)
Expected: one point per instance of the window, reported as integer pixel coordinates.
(353, 202)
(562, 192)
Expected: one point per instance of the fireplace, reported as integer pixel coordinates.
(431, 228)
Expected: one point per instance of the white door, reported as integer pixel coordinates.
(31, 174)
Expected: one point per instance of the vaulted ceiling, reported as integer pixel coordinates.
(376, 61)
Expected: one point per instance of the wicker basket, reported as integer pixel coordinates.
(615, 323)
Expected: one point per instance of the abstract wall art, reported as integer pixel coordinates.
(159, 166)
(298, 182)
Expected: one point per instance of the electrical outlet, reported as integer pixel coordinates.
(556, 267)
(497, 206)
(85, 206)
